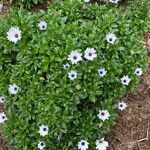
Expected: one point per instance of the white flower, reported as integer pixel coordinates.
(125, 80)
(102, 72)
(111, 38)
(14, 34)
(66, 66)
(41, 145)
(83, 145)
(74, 57)
(114, 1)
(103, 115)
(72, 75)
(122, 105)
(42, 25)
(90, 54)
(2, 99)
(1, 7)
(43, 130)
(86, 1)
(138, 71)
(13, 89)
(101, 144)
(3, 117)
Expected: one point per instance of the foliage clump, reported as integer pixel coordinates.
(39, 64)
(26, 3)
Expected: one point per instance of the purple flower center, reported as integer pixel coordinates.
(75, 57)
(101, 72)
(90, 54)
(42, 144)
(124, 81)
(83, 143)
(121, 105)
(100, 141)
(110, 39)
(72, 75)
(16, 35)
(102, 113)
(44, 129)
(15, 89)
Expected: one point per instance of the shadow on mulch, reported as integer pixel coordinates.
(132, 131)
(42, 6)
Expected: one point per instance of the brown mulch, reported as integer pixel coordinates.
(132, 131)
(42, 6)
(5, 9)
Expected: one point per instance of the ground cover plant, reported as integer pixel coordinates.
(64, 70)
(25, 3)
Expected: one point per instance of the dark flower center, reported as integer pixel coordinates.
(137, 72)
(16, 35)
(15, 89)
(90, 54)
(3, 117)
(42, 144)
(110, 39)
(83, 143)
(43, 26)
(102, 113)
(124, 81)
(101, 72)
(100, 141)
(75, 57)
(2, 99)
(121, 105)
(72, 75)
(44, 129)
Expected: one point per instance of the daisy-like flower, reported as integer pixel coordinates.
(138, 71)
(13, 89)
(90, 54)
(75, 57)
(41, 145)
(14, 34)
(114, 1)
(125, 80)
(3, 117)
(43, 130)
(83, 145)
(1, 7)
(101, 144)
(42, 25)
(111, 38)
(2, 99)
(86, 1)
(122, 105)
(103, 115)
(66, 66)
(102, 72)
(72, 75)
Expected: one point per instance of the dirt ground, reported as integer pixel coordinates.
(132, 131)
